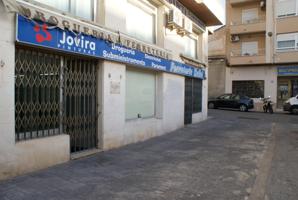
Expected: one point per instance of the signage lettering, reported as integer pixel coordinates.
(30, 32)
(97, 32)
(288, 71)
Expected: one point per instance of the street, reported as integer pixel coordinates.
(232, 155)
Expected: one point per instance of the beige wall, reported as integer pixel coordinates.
(261, 67)
(258, 37)
(235, 16)
(217, 42)
(217, 62)
(217, 77)
(265, 73)
(286, 57)
(287, 25)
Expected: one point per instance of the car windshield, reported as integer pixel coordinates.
(236, 97)
(225, 97)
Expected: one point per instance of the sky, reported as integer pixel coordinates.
(218, 7)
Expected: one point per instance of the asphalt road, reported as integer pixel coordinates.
(232, 155)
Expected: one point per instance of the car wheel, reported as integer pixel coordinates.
(243, 108)
(211, 106)
(294, 110)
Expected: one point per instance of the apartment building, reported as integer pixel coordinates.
(261, 48)
(78, 77)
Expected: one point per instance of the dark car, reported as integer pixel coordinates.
(231, 101)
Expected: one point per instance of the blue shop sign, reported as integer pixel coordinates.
(33, 33)
(288, 71)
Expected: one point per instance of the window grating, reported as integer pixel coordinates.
(197, 95)
(37, 94)
(80, 103)
(252, 89)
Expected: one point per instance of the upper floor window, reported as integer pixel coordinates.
(190, 47)
(249, 48)
(80, 8)
(141, 20)
(287, 41)
(286, 8)
(249, 15)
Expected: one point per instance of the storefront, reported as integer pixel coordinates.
(72, 87)
(287, 83)
(57, 82)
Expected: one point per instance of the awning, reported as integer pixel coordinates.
(201, 10)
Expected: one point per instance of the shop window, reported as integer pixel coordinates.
(190, 47)
(197, 95)
(37, 94)
(287, 41)
(80, 8)
(252, 89)
(140, 94)
(286, 8)
(141, 21)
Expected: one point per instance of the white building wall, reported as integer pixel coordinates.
(117, 131)
(115, 16)
(20, 157)
(113, 105)
(114, 131)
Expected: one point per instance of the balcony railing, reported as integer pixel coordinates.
(242, 1)
(242, 53)
(259, 19)
(239, 57)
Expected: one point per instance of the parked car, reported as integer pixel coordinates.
(291, 105)
(234, 101)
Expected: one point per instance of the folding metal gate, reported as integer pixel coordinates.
(188, 101)
(56, 94)
(80, 103)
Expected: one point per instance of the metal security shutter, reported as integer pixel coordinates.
(37, 94)
(188, 105)
(56, 94)
(80, 103)
(197, 95)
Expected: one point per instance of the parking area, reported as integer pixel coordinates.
(232, 155)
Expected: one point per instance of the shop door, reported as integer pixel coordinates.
(80, 103)
(294, 88)
(283, 92)
(188, 101)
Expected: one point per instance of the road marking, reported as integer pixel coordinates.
(259, 188)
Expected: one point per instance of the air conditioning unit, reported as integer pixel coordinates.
(187, 27)
(235, 38)
(187, 24)
(175, 19)
(263, 4)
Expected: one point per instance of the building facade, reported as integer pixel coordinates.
(217, 62)
(261, 48)
(78, 77)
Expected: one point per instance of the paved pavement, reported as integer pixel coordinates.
(231, 156)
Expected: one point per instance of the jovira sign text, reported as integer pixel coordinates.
(30, 32)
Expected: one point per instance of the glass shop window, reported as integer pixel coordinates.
(140, 94)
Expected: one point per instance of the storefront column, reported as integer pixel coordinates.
(113, 104)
